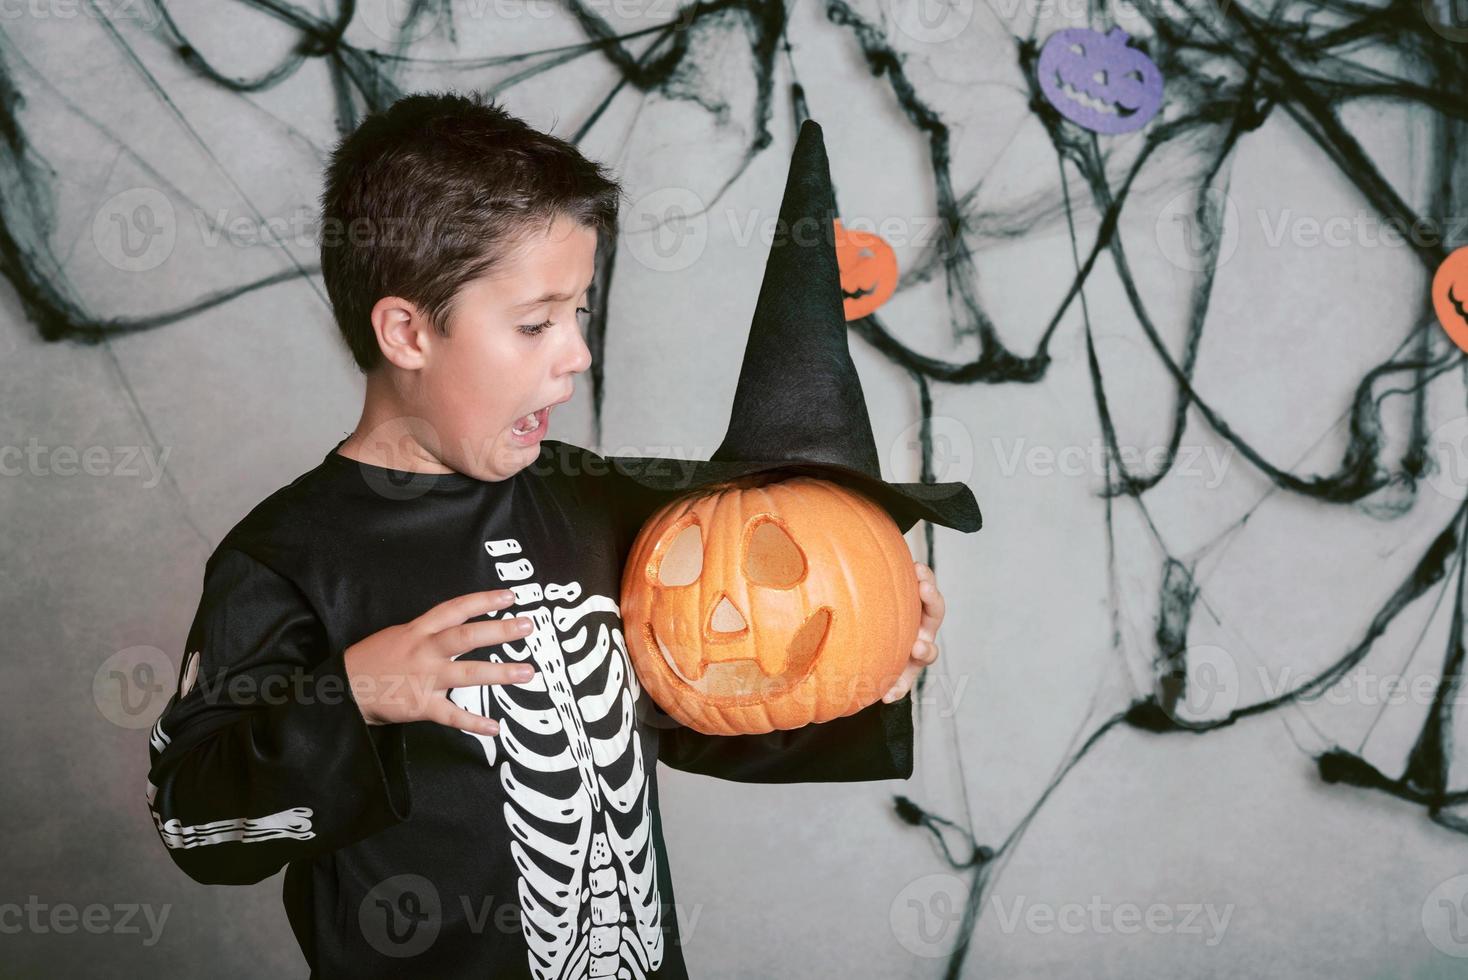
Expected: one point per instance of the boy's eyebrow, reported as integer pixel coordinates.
(550, 298)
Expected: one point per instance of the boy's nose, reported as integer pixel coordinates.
(579, 359)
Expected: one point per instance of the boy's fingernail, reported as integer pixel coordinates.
(523, 625)
(524, 672)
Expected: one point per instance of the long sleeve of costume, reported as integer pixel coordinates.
(262, 756)
(873, 743)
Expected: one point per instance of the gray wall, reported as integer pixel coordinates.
(1054, 606)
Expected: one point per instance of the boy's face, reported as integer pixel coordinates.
(513, 349)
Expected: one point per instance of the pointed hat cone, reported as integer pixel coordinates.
(798, 406)
(799, 397)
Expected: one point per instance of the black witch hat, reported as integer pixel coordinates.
(799, 408)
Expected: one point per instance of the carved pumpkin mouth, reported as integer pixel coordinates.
(858, 292)
(743, 679)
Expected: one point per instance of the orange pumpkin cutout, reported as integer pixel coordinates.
(767, 603)
(868, 271)
(1450, 296)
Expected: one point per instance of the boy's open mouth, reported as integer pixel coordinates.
(528, 424)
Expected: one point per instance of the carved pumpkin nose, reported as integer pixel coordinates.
(726, 618)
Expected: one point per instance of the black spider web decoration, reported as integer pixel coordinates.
(1228, 70)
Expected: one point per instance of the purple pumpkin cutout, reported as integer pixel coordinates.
(1099, 81)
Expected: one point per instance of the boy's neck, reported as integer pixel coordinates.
(388, 434)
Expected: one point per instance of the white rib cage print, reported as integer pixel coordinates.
(588, 867)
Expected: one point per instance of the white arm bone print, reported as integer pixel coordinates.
(294, 823)
(576, 921)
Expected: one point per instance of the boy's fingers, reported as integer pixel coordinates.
(453, 611)
(898, 689)
(445, 712)
(482, 633)
(934, 606)
(476, 673)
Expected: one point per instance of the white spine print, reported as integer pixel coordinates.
(576, 920)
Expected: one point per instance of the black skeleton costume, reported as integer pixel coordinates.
(421, 849)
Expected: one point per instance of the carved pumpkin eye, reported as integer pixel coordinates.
(682, 559)
(772, 558)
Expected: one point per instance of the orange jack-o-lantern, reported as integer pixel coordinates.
(755, 605)
(868, 271)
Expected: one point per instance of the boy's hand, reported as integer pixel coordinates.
(403, 673)
(925, 649)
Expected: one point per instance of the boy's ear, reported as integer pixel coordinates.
(404, 334)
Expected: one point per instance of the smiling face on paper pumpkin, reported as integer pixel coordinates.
(1450, 296)
(868, 271)
(1099, 81)
(760, 605)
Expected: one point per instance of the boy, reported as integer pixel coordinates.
(343, 710)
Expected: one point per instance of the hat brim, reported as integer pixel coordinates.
(949, 504)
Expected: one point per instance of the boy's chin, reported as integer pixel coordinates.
(506, 459)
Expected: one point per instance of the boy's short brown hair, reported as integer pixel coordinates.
(435, 191)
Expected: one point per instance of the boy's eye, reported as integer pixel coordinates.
(532, 329)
